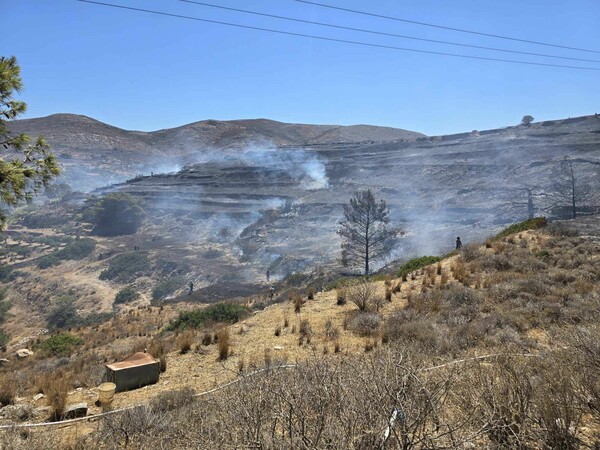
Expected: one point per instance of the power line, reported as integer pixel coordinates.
(330, 39)
(460, 30)
(363, 30)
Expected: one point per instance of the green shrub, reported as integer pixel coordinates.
(116, 214)
(126, 267)
(416, 264)
(48, 261)
(126, 295)
(78, 249)
(529, 224)
(217, 313)
(64, 314)
(6, 274)
(4, 338)
(165, 287)
(63, 343)
(4, 305)
(75, 250)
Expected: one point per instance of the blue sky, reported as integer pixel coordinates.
(145, 72)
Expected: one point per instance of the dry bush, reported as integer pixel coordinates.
(366, 296)
(365, 323)
(341, 295)
(8, 390)
(170, 400)
(207, 339)
(185, 341)
(304, 331)
(331, 332)
(459, 270)
(278, 330)
(311, 293)
(56, 391)
(224, 342)
(297, 301)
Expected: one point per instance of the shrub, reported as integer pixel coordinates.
(166, 287)
(6, 274)
(365, 323)
(331, 331)
(416, 264)
(184, 342)
(217, 313)
(224, 343)
(8, 390)
(75, 250)
(64, 314)
(116, 214)
(78, 249)
(311, 293)
(341, 296)
(47, 261)
(170, 400)
(365, 295)
(470, 252)
(126, 295)
(126, 267)
(60, 344)
(56, 390)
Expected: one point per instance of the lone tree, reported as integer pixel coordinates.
(28, 166)
(526, 120)
(364, 231)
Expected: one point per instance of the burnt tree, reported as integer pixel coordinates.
(570, 188)
(364, 230)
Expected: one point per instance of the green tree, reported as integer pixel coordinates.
(117, 214)
(27, 166)
(526, 120)
(364, 230)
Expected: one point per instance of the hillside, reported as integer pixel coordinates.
(484, 337)
(95, 154)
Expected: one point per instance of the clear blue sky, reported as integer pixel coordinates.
(145, 72)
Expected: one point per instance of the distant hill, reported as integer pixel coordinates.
(69, 133)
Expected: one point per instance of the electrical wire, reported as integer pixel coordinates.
(330, 39)
(382, 33)
(460, 30)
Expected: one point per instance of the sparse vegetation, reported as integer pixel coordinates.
(166, 287)
(224, 343)
(126, 267)
(529, 224)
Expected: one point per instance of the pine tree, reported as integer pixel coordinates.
(364, 230)
(28, 166)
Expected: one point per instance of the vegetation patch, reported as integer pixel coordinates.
(61, 344)
(126, 267)
(416, 264)
(217, 313)
(166, 287)
(78, 249)
(126, 295)
(529, 224)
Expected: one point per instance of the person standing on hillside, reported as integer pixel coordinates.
(191, 287)
(458, 243)
(268, 276)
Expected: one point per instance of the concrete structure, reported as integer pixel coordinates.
(135, 371)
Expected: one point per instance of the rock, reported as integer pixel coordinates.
(42, 411)
(76, 410)
(36, 397)
(16, 412)
(278, 347)
(24, 353)
(3, 361)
